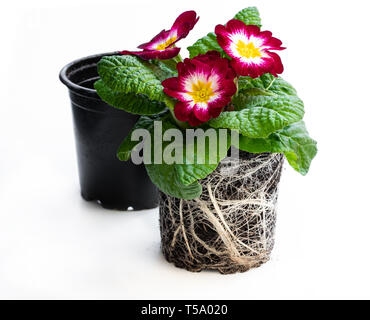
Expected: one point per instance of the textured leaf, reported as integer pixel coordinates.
(127, 145)
(267, 81)
(202, 165)
(164, 69)
(209, 42)
(129, 102)
(293, 141)
(239, 99)
(129, 74)
(260, 115)
(165, 177)
(205, 44)
(249, 16)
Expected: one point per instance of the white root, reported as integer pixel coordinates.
(230, 228)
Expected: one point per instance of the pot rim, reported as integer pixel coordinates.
(64, 74)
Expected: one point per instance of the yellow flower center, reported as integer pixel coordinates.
(164, 45)
(202, 92)
(247, 50)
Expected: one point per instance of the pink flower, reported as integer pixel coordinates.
(162, 46)
(250, 48)
(204, 86)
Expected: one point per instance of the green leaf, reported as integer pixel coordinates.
(267, 81)
(260, 115)
(249, 16)
(164, 175)
(209, 42)
(129, 74)
(238, 100)
(293, 141)
(202, 164)
(205, 44)
(263, 105)
(129, 102)
(127, 145)
(164, 69)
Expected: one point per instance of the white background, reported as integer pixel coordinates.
(55, 245)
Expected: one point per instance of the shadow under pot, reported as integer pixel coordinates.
(99, 130)
(230, 227)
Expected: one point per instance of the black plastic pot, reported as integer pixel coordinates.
(99, 130)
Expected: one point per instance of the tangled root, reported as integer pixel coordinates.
(230, 228)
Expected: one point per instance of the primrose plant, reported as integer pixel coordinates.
(229, 85)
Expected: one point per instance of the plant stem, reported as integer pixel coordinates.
(236, 81)
(177, 59)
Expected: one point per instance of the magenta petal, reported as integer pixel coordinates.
(193, 121)
(209, 73)
(252, 30)
(236, 26)
(221, 30)
(273, 44)
(240, 67)
(222, 34)
(172, 88)
(176, 94)
(185, 68)
(201, 67)
(247, 69)
(221, 102)
(215, 112)
(171, 83)
(266, 34)
(151, 45)
(146, 55)
(201, 112)
(183, 111)
(181, 69)
(278, 66)
(154, 54)
(223, 39)
(184, 23)
(230, 74)
(248, 66)
(208, 57)
(270, 64)
(168, 53)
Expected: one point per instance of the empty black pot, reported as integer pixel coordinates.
(99, 130)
